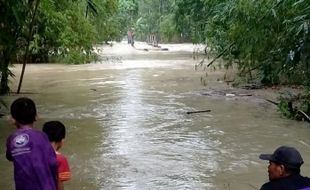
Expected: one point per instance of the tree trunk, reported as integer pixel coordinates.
(29, 37)
(4, 84)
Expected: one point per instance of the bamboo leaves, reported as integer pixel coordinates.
(92, 7)
(264, 33)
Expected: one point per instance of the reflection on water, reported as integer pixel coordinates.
(147, 130)
(128, 127)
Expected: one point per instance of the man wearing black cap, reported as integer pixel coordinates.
(284, 170)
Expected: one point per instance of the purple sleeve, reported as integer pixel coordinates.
(52, 159)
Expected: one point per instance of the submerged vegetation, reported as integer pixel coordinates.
(295, 106)
(268, 40)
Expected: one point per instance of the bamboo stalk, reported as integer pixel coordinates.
(305, 115)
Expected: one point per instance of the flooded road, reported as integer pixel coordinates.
(127, 126)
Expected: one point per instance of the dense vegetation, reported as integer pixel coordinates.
(268, 40)
(58, 30)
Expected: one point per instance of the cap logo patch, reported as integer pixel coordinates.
(21, 140)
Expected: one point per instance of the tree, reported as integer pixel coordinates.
(267, 40)
(28, 39)
(168, 19)
(12, 26)
(61, 32)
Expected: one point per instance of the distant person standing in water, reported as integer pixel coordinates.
(35, 164)
(129, 36)
(132, 39)
(284, 170)
(56, 133)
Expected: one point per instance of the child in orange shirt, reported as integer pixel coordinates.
(56, 133)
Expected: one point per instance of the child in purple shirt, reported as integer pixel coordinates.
(35, 164)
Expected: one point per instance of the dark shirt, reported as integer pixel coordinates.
(293, 182)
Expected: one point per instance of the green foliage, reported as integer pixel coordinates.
(66, 31)
(2, 106)
(155, 17)
(69, 27)
(167, 29)
(15, 16)
(268, 40)
(127, 14)
(106, 22)
(76, 57)
(62, 31)
(268, 37)
(190, 18)
(142, 28)
(90, 5)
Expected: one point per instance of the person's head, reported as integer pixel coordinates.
(23, 111)
(284, 161)
(56, 132)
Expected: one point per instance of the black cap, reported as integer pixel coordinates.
(288, 156)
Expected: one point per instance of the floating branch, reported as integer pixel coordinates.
(201, 111)
(273, 102)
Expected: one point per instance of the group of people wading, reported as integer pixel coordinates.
(151, 39)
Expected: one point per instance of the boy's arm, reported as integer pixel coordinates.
(64, 173)
(8, 152)
(60, 185)
(8, 155)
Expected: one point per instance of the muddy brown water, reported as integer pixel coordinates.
(127, 126)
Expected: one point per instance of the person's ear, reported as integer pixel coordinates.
(61, 143)
(282, 170)
(58, 145)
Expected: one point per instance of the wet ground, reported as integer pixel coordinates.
(128, 127)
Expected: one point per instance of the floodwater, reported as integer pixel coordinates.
(127, 126)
